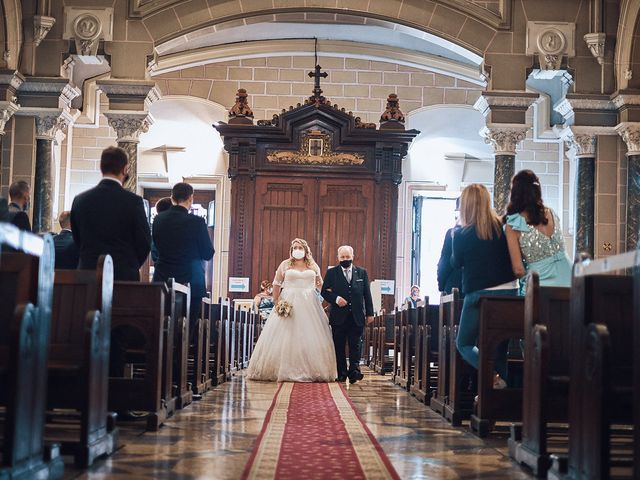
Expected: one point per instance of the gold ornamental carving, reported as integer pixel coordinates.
(315, 149)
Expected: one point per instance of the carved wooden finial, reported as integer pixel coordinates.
(392, 118)
(241, 112)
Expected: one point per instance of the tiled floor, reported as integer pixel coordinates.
(212, 438)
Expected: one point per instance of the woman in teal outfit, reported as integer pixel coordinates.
(534, 235)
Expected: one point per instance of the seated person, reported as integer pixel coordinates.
(413, 298)
(19, 197)
(263, 301)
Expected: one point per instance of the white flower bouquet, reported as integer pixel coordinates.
(283, 308)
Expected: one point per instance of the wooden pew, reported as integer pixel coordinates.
(178, 304)
(141, 307)
(547, 348)
(373, 349)
(401, 320)
(601, 377)
(367, 343)
(385, 359)
(427, 361)
(450, 306)
(199, 351)
(501, 319)
(463, 378)
(219, 341)
(26, 293)
(79, 362)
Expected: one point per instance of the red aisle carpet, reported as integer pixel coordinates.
(312, 431)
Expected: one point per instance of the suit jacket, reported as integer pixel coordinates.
(107, 219)
(67, 254)
(449, 277)
(183, 244)
(357, 294)
(4, 211)
(19, 217)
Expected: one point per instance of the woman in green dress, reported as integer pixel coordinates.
(534, 236)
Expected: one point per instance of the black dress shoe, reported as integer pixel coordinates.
(355, 377)
(342, 378)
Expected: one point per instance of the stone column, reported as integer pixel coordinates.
(10, 81)
(129, 126)
(47, 127)
(504, 139)
(128, 115)
(585, 145)
(630, 133)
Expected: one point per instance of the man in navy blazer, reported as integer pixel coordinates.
(19, 196)
(66, 249)
(183, 245)
(108, 219)
(346, 288)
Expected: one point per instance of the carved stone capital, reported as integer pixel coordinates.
(41, 26)
(504, 138)
(7, 109)
(625, 99)
(129, 126)
(50, 123)
(489, 101)
(584, 144)
(596, 42)
(630, 133)
(129, 94)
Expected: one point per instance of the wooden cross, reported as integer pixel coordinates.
(316, 87)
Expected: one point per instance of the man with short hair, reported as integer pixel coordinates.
(107, 219)
(66, 249)
(183, 244)
(19, 197)
(346, 287)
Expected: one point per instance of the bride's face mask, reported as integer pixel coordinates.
(298, 252)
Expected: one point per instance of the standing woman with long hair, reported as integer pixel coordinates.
(534, 235)
(480, 249)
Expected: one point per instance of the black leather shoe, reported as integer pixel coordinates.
(342, 379)
(355, 377)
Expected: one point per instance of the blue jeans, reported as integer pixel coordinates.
(469, 327)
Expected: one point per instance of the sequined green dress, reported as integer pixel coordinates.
(543, 254)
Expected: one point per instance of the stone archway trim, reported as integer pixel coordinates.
(293, 47)
(629, 11)
(13, 32)
(435, 18)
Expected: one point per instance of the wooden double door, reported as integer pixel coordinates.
(326, 212)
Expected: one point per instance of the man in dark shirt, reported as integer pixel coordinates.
(19, 197)
(66, 249)
(108, 219)
(183, 244)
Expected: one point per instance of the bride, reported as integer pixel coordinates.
(298, 347)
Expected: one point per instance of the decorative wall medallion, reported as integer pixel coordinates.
(87, 26)
(551, 42)
(315, 149)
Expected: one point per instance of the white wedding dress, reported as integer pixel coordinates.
(297, 348)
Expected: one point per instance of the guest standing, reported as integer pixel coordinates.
(449, 277)
(183, 245)
(108, 219)
(19, 198)
(480, 249)
(534, 235)
(162, 205)
(66, 250)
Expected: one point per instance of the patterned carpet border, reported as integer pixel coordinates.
(313, 431)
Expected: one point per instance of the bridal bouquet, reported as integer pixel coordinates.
(283, 308)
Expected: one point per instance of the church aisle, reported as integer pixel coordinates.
(213, 438)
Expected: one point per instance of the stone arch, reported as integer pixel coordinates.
(627, 47)
(453, 23)
(12, 35)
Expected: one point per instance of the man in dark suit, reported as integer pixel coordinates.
(346, 288)
(107, 219)
(183, 245)
(66, 249)
(19, 196)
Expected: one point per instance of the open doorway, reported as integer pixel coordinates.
(433, 215)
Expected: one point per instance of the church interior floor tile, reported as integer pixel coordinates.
(213, 438)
